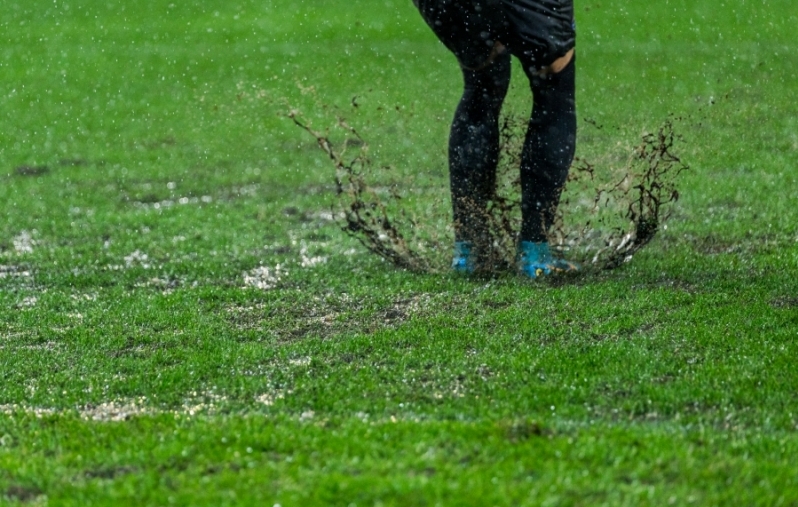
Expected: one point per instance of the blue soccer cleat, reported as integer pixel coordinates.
(464, 260)
(535, 260)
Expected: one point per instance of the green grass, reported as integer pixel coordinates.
(147, 169)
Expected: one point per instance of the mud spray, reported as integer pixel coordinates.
(607, 212)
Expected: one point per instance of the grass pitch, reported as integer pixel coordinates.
(182, 322)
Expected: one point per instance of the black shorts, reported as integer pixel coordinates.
(536, 31)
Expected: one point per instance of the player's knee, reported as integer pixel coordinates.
(560, 63)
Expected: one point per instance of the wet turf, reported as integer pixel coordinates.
(182, 321)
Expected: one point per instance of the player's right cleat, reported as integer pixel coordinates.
(535, 261)
(464, 261)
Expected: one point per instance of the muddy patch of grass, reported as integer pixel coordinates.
(750, 243)
(714, 245)
(325, 316)
(31, 170)
(668, 284)
(73, 162)
(109, 473)
(24, 494)
(785, 302)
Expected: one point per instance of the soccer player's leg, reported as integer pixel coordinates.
(473, 158)
(543, 35)
(546, 158)
(471, 29)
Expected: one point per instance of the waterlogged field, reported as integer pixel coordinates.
(183, 322)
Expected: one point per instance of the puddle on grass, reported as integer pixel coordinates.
(28, 302)
(269, 277)
(309, 256)
(89, 296)
(264, 277)
(118, 410)
(137, 258)
(18, 281)
(152, 201)
(24, 243)
(268, 399)
(12, 271)
(134, 259)
(155, 204)
(200, 403)
(38, 412)
(308, 261)
(122, 409)
(165, 285)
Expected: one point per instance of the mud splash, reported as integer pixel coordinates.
(608, 211)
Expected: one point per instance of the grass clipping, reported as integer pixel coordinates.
(607, 213)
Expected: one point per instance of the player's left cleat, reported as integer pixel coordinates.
(535, 261)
